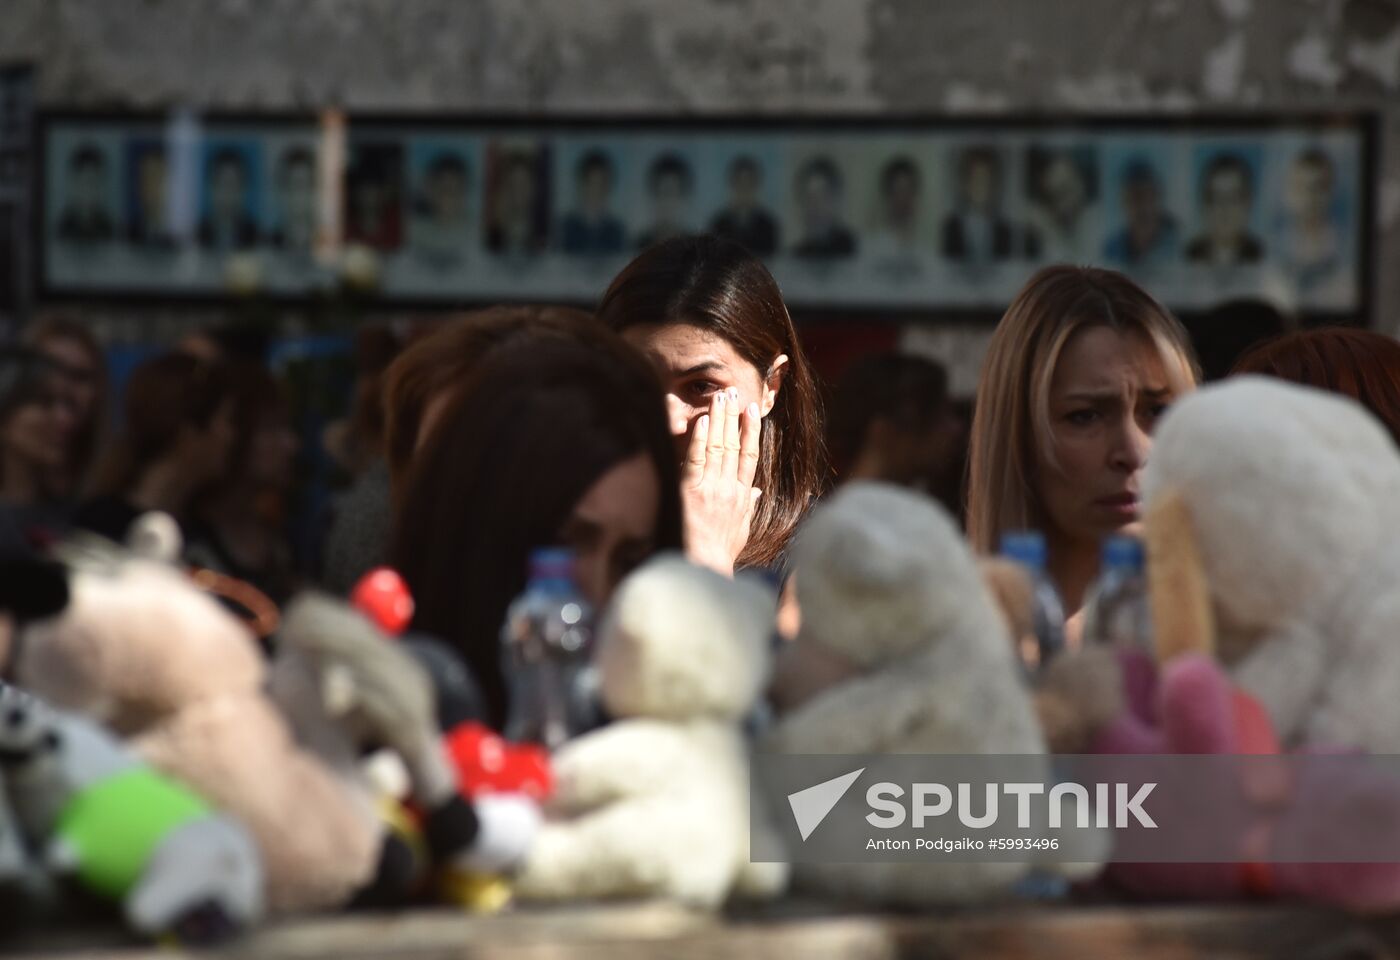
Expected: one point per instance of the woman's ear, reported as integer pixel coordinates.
(772, 383)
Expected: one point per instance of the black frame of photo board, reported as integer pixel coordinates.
(1014, 136)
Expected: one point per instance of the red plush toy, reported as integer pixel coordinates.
(383, 596)
(488, 764)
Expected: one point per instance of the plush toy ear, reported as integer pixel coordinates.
(32, 588)
(155, 535)
(1183, 620)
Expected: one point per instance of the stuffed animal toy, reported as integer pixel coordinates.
(143, 651)
(28, 894)
(1202, 533)
(888, 586)
(348, 689)
(1075, 693)
(1190, 705)
(485, 766)
(122, 830)
(1289, 495)
(656, 803)
(383, 597)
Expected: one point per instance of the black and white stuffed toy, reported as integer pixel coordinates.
(85, 809)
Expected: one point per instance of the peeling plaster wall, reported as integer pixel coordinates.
(696, 56)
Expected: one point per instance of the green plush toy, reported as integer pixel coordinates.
(122, 830)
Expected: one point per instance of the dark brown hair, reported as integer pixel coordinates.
(444, 359)
(376, 347)
(910, 392)
(537, 424)
(720, 287)
(1360, 364)
(164, 394)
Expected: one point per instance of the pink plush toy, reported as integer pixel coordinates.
(1190, 706)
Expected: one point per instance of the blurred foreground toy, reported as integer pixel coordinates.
(1223, 459)
(488, 767)
(1290, 500)
(656, 804)
(384, 597)
(887, 584)
(123, 831)
(140, 649)
(349, 690)
(482, 762)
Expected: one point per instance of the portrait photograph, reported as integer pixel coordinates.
(444, 217)
(146, 193)
(896, 187)
(1228, 219)
(1312, 216)
(517, 198)
(87, 196)
(230, 195)
(979, 228)
(374, 189)
(293, 215)
(590, 175)
(820, 229)
(1145, 203)
(1061, 190)
(748, 197)
(667, 203)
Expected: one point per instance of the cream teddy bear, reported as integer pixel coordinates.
(657, 802)
(888, 586)
(1292, 496)
(145, 652)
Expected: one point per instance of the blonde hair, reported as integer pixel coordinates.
(1012, 416)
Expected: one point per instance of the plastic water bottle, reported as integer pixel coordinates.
(1027, 547)
(1117, 613)
(547, 651)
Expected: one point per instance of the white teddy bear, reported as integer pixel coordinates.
(1293, 496)
(657, 802)
(888, 587)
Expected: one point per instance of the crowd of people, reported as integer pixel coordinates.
(683, 414)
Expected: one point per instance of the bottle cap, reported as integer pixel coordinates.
(552, 563)
(1123, 553)
(1026, 547)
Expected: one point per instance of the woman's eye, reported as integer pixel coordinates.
(1082, 418)
(702, 388)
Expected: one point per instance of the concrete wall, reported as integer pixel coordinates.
(698, 56)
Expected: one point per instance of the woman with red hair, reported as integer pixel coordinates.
(1360, 364)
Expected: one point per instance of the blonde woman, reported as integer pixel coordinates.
(1079, 370)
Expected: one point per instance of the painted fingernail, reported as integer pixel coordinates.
(753, 410)
(703, 422)
(733, 393)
